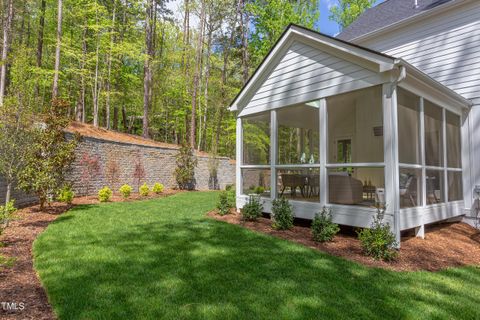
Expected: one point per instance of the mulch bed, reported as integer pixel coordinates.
(20, 284)
(445, 245)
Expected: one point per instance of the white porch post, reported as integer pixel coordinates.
(323, 123)
(273, 154)
(390, 124)
(445, 159)
(239, 160)
(420, 231)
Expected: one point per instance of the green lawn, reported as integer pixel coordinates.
(164, 259)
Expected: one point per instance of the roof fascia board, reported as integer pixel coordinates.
(420, 16)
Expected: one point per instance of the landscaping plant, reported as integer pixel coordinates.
(282, 214)
(125, 191)
(224, 203)
(378, 241)
(323, 229)
(138, 172)
(90, 165)
(185, 170)
(157, 188)
(7, 214)
(66, 195)
(144, 190)
(104, 194)
(252, 210)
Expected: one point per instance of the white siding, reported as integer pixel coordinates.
(446, 47)
(307, 73)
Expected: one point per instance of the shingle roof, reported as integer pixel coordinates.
(385, 14)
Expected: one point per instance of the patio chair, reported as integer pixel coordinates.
(407, 188)
(292, 181)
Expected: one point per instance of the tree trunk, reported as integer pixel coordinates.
(244, 26)
(41, 27)
(203, 131)
(147, 68)
(96, 89)
(196, 77)
(124, 118)
(6, 34)
(80, 116)
(57, 51)
(109, 70)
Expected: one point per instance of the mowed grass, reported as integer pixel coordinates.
(163, 259)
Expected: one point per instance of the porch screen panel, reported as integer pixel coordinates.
(256, 139)
(435, 186)
(355, 127)
(256, 181)
(298, 135)
(455, 189)
(409, 150)
(299, 184)
(433, 135)
(410, 181)
(453, 140)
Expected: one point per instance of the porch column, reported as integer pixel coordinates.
(273, 154)
(238, 162)
(390, 136)
(323, 125)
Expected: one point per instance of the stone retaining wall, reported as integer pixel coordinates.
(117, 162)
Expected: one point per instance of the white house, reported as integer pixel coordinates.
(385, 112)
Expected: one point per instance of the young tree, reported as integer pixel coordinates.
(90, 169)
(348, 10)
(50, 155)
(185, 170)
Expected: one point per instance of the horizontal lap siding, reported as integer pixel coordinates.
(303, 72)
(445, 47)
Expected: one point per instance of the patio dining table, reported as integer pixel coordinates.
(309, 184)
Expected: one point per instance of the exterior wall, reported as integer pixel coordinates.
(445, 47)
(159, 165)
(305, 71)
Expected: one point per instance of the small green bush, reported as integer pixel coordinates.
(157, 188)
(259, 190)
(252, 210)
(125, 190)
(323, 229)
(104, 194)
(66, 195)
(224, 203)
(144, 190)
(282, 214)
(7, 214)
(378, 241)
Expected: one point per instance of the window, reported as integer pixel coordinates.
(256, 139)
(433, 135)
(409, 150)
(435, 186)
(455, 189)
(410, 188)
(298, 135)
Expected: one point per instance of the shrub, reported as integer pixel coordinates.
(157, 188)
(7, 213)
(125, 190)
(66, 195)
(144, 190)
(224, 203)
(252, 210)
(259, 190)
(378, 241)
(282, 214)
(185, 170)
(104, 194)
(323, 229)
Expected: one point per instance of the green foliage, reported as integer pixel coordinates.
(378, 241)
(252, 210)
(7, 214)
(185, 170)
(259, 190)
(66, 195)
(50, 155)
(270, 19)
(348, 11)
(157, 188)
(125, 190)
(224, 203)
(323, 229)
(144, 190)
(104, 194)
(282, 214)
(6, 262)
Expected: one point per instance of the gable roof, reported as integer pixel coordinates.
(371, 59)
(389, 13)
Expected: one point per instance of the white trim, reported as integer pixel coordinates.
(444, 149)
(422, 152)
(273, 154)
(239, 160)
(356, 165)
(255, 166)
(323, 151)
